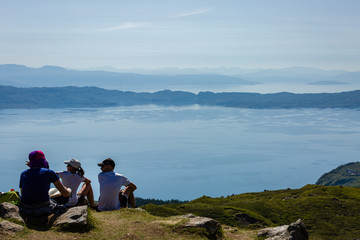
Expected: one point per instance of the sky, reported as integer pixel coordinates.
(123, 34)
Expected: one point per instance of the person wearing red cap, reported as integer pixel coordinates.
(35, 184)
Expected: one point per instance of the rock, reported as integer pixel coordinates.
(10, 211)
(74, 219)
(139, 209)
(275, 233)
(298, 230)
(294, 231)
(40, 223)
(189, 215)
(7, 227)
(212, 228)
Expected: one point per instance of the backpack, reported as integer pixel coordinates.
(11, 197)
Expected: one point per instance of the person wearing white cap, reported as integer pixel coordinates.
(72, 178)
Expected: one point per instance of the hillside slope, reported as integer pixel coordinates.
(345, 175)
(329, 212)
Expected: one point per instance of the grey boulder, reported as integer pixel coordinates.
(212, 227)
(294, 231)
(7, 227)
(10, 211)
(74, 219)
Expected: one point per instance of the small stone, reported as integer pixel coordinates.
(139, 209)
(9, 227)
(212, 227)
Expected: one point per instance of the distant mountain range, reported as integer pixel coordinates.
(292, 74)
(166, 78)
(52, 76)
(84, 97)
(57, 87)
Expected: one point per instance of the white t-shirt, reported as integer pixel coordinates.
(72, 181)
(110, 185)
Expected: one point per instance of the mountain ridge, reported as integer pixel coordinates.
(166, 78)
(82, 97)
(54, 76)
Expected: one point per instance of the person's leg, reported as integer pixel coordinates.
(86, 190)
(123, 200)
(90, 197)
(130, 199)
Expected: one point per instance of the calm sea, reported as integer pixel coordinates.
(185, 152)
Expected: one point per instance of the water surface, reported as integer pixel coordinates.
(185, 152)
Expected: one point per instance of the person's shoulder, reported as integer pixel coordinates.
(80, 177)
(119, 175)
(47, 171)
(25, 171)
(103, 175)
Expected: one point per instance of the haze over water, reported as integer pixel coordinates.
(185, 152)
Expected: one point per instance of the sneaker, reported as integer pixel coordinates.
(123, 201)
(81, 199)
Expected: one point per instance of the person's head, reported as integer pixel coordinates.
(37, 160)
(74, 166)
(107, 165)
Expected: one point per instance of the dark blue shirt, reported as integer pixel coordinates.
(35, 185)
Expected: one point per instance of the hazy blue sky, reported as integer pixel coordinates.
(189, 33)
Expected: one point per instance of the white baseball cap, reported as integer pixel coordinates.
(74, 163)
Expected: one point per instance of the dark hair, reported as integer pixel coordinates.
(109, 161)
(80, 171)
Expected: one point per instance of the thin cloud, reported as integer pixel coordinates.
(127, 25)
(197, 12)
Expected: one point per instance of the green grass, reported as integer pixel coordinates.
(120, 224)
(341, 177)
(329, 212)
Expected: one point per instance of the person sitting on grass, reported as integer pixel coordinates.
(35, 184)
(111, 195)
(72, 178)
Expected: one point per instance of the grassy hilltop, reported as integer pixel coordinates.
(329, 212)
(345, 175)
(129, 224)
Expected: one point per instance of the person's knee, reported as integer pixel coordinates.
(132, 186)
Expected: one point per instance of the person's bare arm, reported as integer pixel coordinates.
(64, 191)
(129, 189)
